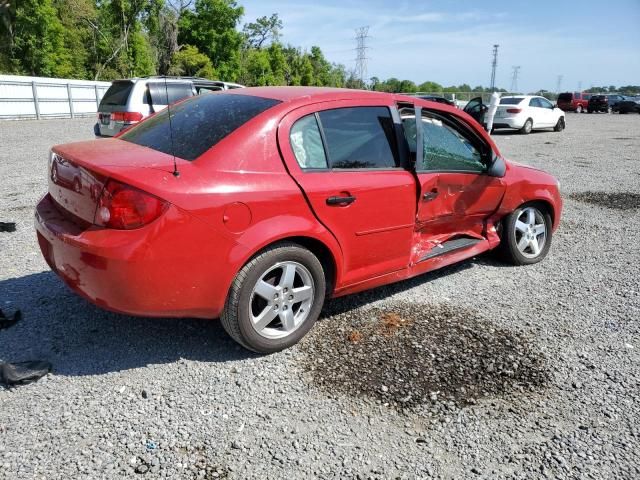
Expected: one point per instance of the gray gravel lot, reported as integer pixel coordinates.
(150, 398)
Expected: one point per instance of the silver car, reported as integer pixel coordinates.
(127, 102)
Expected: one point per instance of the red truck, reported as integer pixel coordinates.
(573, 102)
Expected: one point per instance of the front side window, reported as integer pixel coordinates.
(306, 143)
(544, 103)
(359, 137)
(445, 149)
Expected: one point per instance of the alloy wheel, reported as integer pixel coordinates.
(530, 232)
(281, 299)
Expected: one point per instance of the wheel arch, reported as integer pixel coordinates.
(319, 242)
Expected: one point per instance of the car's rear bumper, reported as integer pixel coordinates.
(508, 122)
(150, 271)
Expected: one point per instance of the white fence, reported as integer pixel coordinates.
(37, 97)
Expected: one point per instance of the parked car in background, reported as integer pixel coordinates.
(285, 196)
(628, 105)
(604, 103)
(573, 102)
(127, 102)
(521, 112)
(436, 98)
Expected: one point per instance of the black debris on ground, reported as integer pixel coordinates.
(618, 201)
(23, 373)
(7, 227)
(6, 322)
(410, 354)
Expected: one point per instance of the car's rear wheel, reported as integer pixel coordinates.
(526, 235)
(275, 299)
(579, 109)
(560, 125)
(527, 127)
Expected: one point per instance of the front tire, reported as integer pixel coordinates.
(560, 125)
(275, 298)
(526, 235)
(579, 109)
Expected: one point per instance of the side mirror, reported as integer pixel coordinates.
(498, 167)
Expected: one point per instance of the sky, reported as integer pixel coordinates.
(588, 43)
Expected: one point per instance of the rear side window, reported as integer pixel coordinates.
(117, 94)
(535, 102)
(511, 101)
(159, 93)
(306, 143)
(197, 124)
(359, 137)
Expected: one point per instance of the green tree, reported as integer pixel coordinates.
(190, 62)
(33, 38)
(211, 27)
(262, 30)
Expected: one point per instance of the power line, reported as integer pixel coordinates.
(362, 34)
(494, 64)
(514, 78)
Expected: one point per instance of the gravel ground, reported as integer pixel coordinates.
(547, 356)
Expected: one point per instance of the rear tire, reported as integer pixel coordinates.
(579, 109)
(560, 125)
(275, 298)
(526, 235)
(527, 127)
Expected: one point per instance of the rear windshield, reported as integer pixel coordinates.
(565, 97)
(511, 101)
(117, 94)
(197, 124)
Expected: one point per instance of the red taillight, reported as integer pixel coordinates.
(124, 207)
(514, 110)
(126, 116)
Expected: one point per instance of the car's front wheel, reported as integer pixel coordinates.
(275, 299)
(526, 235)
(579, 109)
(559, 125)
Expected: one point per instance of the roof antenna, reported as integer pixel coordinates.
(176, 173)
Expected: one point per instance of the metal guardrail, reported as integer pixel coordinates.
(45, 99)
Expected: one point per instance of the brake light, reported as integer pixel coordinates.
(124, 207)
(514, 110)
(126, 116)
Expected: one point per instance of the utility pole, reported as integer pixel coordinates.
(580, 86)
(559, 84)
(494, 64)
(514, 78)
(362, 34)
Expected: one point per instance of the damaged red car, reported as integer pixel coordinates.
(256, 205)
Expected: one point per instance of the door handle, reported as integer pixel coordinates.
(341, 201)
(427, 197)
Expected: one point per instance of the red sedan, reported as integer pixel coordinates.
(255, 205)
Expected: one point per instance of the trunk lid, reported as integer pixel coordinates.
(78, 172)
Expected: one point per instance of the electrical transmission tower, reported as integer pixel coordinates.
(514, 78)
(559, 84)
(362, 34)
(494, 64)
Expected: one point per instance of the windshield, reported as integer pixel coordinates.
(511, 100)
(197, 124)
(117, 93)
